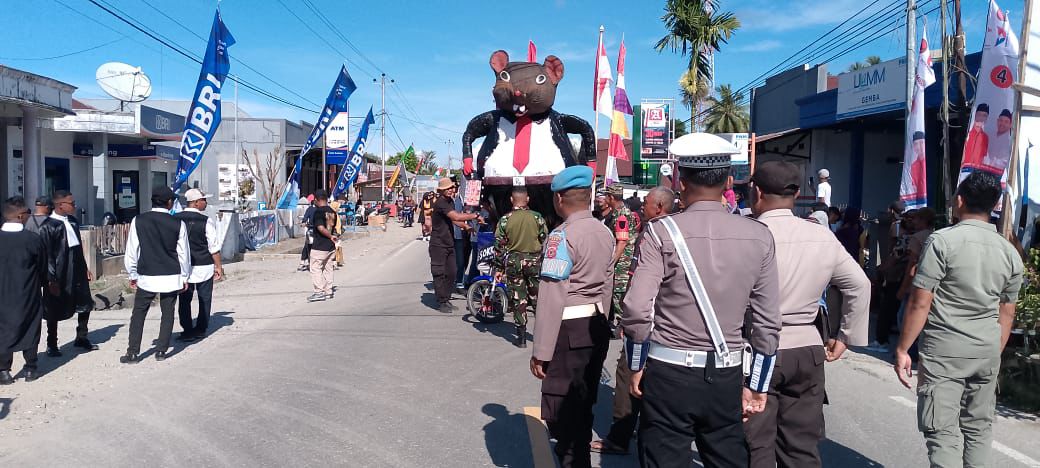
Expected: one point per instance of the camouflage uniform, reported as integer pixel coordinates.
(518, 254)
(625, 225)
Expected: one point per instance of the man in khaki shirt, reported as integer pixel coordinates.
(964, 293)
(808, 259)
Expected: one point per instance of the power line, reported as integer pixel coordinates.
(68, 54)
(322, 38)
(121, 16)
(321, 16)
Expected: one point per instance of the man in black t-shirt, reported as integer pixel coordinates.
(323, 248)
(442, 242)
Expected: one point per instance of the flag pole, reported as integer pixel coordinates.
(1012, 203)
(595, 129)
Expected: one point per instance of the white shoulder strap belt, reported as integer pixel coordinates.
(693, 277)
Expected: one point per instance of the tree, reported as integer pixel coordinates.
(412, 160)
(728, 113)
(873, 60)
(680, 127)
(265, 173)
(696, 30)
(692, 89)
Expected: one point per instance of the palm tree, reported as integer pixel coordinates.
(727, 113)
(857, 66)
(873, 60)
(692, 90)
(697, 31)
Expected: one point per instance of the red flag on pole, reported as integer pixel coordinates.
(532, 52)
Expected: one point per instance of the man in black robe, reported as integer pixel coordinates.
(74, 280)
(55, 242)
(23, 259)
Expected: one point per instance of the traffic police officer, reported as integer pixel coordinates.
(699, 276)
(571, 334)
(518, 256)
(809, 259)
(625, 226)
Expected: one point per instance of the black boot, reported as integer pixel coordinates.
(521, 336)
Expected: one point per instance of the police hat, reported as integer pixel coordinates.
(703, 151)
(573, 177)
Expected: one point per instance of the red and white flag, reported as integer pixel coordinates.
(601, 101)
(532, 52)
(913, 189)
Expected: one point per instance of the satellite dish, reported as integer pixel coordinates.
(124, 82)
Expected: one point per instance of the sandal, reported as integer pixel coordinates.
(607, 447)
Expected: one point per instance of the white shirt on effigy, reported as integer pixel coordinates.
(544, 157)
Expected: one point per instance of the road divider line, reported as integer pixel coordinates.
(541, 454)
(1004, 449)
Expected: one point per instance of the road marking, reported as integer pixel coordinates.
(1004, 449)
(539, 436)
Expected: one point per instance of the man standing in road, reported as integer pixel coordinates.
(205, 265)
(698, 276)
(442, 242)
(158, 263)
(964, 295)
(23, 259)
(59, 266)
(571, 333)
(322, 266)
(658, 203)
(823, 189)
(625, 226)
(75, 294)
(518, 257)
(809, 259)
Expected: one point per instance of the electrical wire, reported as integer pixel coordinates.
(68, 54)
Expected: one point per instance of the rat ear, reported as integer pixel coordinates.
(499, 60)
(554, 67)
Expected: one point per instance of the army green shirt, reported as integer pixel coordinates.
(520, 230)
(971, 270)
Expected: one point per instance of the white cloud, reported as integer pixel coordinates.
(797, 14)
(760, 46)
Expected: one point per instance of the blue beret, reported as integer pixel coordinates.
(573, 177)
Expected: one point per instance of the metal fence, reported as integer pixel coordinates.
(111, 239)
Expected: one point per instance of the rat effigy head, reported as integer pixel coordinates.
(523, 88)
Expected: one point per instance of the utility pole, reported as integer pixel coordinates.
(382, 135)
(947, 190)
(962, 69)
(911, 55)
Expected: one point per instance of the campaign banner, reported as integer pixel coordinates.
(202, 121)
(260, 229)
(913, 188)
(654, 138)
(988, 147)
(352, 167)
(334, 104)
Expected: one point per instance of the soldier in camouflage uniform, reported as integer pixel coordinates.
(625, 225)
(518, 251)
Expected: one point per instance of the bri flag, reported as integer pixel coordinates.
(204, 117)
(913, 189)
(334, 104)
(350, 170)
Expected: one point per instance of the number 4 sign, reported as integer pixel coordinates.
(1001, 77)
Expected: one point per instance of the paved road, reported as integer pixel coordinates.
(373, 378)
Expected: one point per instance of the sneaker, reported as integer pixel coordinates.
(304, 268)
(316, 297)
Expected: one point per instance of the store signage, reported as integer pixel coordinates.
(159, 124)
(655, 130)
(872, 90)
(337, 139)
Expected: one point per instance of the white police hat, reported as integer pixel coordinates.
(703, 151)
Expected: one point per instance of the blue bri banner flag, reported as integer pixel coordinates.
(204, 117)
(336, 103)
(350, 170)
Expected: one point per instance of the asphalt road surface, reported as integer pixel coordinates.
(372, 378)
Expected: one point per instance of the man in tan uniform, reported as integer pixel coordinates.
(808, 258)
(690, 325)
(571, 334)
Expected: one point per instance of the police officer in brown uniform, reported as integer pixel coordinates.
(697, 275)
(571, 334)
(809, 259)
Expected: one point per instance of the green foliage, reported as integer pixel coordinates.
(727, 112)
(696, 29)
(1027, 313)
(412, 159)
(692, 90)
(680, 127)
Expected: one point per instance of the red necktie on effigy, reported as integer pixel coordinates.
(522, 145)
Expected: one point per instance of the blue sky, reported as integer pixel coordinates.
(437, 52)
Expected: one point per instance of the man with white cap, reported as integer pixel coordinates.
(700, 277)
(823, 189)
(204, 250)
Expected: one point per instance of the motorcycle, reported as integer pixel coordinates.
(486, 299)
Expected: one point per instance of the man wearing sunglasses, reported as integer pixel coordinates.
(74, 286)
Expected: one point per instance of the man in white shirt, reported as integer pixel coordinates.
(999, 153)
(204, 250)
(158, 263)
(823, 190)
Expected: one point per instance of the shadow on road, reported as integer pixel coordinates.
(429, 299)
(506, 437)
(505, 330)
(5, 407)
(216, 322)
(835, 454)
(98, 337)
